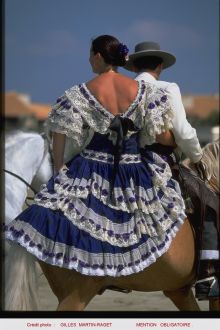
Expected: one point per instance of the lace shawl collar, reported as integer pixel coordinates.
(96, 115)
(150, 111)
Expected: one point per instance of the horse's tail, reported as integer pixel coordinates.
(20, 280)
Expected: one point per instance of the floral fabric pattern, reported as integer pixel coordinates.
(82, 220)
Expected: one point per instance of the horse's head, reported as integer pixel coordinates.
(24, 155)
(211, 160)
(45, 170)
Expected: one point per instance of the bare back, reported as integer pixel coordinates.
(114, 91)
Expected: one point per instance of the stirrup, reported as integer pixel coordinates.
(114, 288)
(207, 288)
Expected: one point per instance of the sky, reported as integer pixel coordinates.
(47, 42)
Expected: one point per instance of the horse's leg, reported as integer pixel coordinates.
(173, 271)
(81, 293)
(214, 304)
(183, 299)
(72, 289)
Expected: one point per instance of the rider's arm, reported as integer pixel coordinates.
(184, 134)
(166, 138)
(58, 150)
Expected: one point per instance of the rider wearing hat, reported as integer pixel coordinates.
(148, 61)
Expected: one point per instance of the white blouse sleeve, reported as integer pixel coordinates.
(66, 119)
(158, 115)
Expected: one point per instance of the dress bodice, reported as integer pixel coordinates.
(110, 211)
(77, 112)
(102, 143)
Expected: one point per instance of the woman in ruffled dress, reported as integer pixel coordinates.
(108, 212)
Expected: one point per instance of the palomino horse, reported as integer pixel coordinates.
(173, 273)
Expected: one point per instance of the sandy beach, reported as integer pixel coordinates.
(115, 301)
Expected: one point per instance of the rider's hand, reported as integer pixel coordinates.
(166, 138)
(202, 170)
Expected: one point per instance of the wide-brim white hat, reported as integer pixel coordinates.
(149, 48)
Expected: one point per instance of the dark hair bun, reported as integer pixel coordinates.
(111, 49)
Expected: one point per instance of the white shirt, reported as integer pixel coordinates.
(184, 134)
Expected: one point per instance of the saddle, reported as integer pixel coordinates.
(198, 196)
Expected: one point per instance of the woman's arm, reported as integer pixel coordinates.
(166, 138)
(58, 150)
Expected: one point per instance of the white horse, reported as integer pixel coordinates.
(28, 162)
(23, 269)
(26, 156)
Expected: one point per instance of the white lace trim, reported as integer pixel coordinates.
(102, 109)
(151, 216)
(128, 200)
(158, 118)
(97, 264)
(66, 120)
(98, 121)
(117, 234)
(109, 158)
(78, 110)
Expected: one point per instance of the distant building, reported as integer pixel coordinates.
(203, 113)
(200, 106)
(20, 113)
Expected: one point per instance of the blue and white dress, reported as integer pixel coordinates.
(111, 210)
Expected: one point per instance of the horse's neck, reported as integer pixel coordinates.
(211, 160)
(15, 194)
(23, 155)
(44, 172)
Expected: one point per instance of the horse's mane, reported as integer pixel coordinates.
(16, 136)
(211, 160)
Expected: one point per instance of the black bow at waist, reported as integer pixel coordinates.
(121, 126)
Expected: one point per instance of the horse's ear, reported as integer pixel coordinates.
(211, 160)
